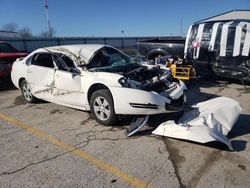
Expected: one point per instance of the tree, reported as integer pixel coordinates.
(47, 34)
(25, 32)
(11, 27)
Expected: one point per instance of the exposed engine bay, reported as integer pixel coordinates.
(135, 74)
(149, 79)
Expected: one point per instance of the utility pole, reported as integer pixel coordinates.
(47, 15)
(181, 27)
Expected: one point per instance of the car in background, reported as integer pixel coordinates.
(165, 46)
(97, 78)
(8, 54)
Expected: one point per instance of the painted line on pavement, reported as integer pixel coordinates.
(80, 153)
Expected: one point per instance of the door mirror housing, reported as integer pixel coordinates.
(75, 72)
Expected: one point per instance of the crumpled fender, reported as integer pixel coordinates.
(208, 121)
(178, 92)
(124, 96)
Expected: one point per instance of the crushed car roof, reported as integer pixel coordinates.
(80, 53)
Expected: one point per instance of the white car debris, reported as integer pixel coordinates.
(208, 121)
(96, 78)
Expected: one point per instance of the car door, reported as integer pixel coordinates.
(68, 82)
(40, 76)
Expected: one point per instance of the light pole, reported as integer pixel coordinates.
(122, 39)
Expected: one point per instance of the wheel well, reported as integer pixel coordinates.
(20, 81)
(94, 88)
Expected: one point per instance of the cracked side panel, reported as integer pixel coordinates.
(68, 89)
(41, 81)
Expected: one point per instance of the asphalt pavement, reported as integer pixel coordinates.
(47, 145)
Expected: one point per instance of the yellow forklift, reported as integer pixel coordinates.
(177, 67)
(184, 73)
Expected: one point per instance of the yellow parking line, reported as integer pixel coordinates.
(80, 153)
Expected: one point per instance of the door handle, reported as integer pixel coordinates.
(28, 71)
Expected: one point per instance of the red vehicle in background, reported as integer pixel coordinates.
(8, 54)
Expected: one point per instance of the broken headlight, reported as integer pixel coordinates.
(128, 83)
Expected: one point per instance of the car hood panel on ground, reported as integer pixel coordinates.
(208, 121)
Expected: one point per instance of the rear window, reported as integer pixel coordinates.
(7, 48)
(44, 60)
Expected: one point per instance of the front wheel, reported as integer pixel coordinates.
(26, 91)
(102, 107)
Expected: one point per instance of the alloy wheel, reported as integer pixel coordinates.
(102, 108)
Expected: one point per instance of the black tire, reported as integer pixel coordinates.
(27, 95)
(153, 56)
(102, 107)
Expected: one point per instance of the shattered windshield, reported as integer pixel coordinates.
(110, 59)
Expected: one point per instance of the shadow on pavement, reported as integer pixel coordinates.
(239, 145)
(7, 87)
(242, 127)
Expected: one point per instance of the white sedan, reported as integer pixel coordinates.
(96, 78)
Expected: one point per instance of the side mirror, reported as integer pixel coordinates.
(75, 72)
(74, 75)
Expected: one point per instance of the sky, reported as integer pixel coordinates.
(108, 18)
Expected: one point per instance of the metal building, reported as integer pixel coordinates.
(8, 34)
(228, 16)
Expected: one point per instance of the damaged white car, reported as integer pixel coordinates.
(107, 82)
(98, 78)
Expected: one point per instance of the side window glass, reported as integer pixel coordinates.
(68, 61)
(64, 63)
(29, 60)
(44, 60)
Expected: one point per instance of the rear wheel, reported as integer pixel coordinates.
(102, 107)
(26, 91)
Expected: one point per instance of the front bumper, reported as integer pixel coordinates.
(130, 101)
